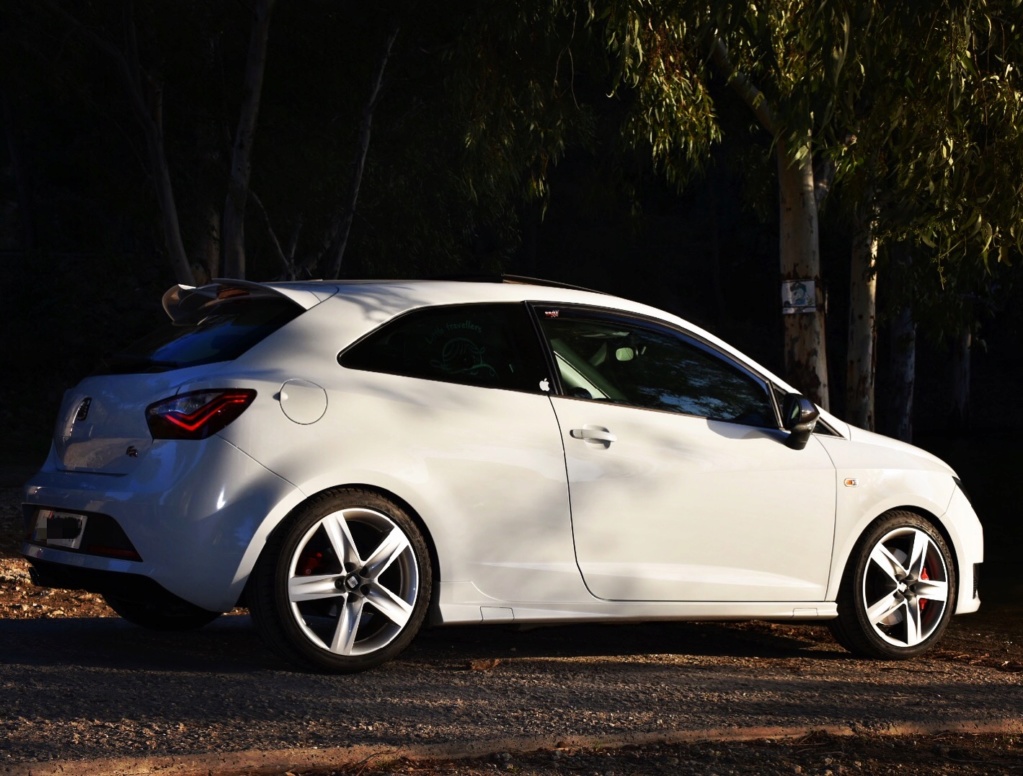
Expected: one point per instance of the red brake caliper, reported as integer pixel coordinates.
(310, 563)
(923, 575)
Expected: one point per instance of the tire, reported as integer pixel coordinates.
(344, 584)
(898, 591)
(162, 615)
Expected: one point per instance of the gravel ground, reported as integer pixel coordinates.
(85, 692)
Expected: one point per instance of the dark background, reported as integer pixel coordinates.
(82, 249)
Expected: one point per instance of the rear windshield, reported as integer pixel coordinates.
(221, 333)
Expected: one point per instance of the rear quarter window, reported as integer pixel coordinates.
(221, 332)
(490, 345)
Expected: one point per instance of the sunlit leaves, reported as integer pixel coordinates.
(940, 147)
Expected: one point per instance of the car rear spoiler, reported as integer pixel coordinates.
(185, 304)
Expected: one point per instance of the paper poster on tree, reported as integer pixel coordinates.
(798, 296)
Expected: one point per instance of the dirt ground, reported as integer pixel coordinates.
(815, 753)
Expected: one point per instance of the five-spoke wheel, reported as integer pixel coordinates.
(898, 592)
(344, 585)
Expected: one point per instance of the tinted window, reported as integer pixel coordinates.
(221, 332)
(617, 359)
(489, 345)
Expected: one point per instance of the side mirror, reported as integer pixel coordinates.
(799, 416)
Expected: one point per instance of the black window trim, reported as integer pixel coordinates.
(538, 335)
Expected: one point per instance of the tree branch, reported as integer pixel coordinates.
(289, 267)
(233, 228)
(344, 221)
(743, 86)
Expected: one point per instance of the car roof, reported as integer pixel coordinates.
(395, 296)
(483, 287)
(181, 301)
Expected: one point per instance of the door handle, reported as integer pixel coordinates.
(594, 434)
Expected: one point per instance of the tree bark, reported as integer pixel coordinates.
(147, 102)
(168, 208)
(903, 373)
(233, 226)
(805, 351)
(806, 362)
(861, 354)
(206, 253)
(147, 97)
(962, 347)
(342, 226)
(287, 266)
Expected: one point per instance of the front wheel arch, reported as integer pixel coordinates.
(898, 589)
(836, 577)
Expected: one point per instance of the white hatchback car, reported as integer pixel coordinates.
(348, 459)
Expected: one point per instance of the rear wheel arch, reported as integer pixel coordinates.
(285, 522)
(391, 496)
(363, 587)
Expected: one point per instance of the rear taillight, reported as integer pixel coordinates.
(198, 414)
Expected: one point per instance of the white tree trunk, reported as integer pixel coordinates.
(168, 209)
(147, 102)
(903, 373)
(147, 97)
(961, 348)
(806, 362)
(861, 355)
(206, 254)
(233, 227)
(342, 226)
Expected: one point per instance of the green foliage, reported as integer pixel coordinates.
(512, 76)
(659, 71)
(918, 106)
(935, 122)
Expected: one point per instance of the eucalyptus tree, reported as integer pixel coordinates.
(233, 219)
(517, 79)
(785, 60)
(934, 164)
(469, 106)
(915, 108)
(144, 91)
(145, 70)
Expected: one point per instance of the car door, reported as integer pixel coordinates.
(450, 408)
(681, 486)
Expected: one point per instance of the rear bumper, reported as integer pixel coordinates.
(196, 512)
(124, 586)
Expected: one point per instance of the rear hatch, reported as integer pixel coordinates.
(102, 423)
(102, 426)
